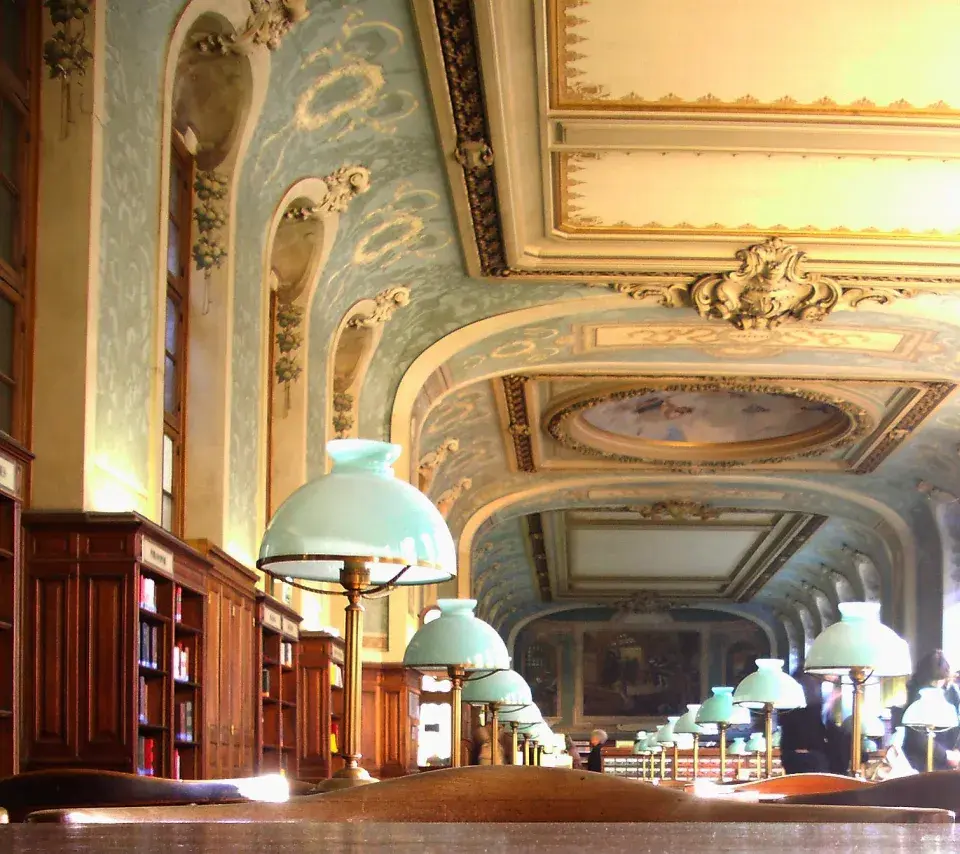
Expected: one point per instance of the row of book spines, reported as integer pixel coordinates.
(146, 755)
(185, 731)
(148, 597)
(336, 675)
(286, 653)
(149, 645)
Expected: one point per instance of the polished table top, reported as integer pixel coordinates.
(301, 838)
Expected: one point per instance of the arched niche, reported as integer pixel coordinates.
(212, 102)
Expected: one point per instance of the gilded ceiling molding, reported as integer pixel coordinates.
(343, 186)
(380, 309)
(678, 511)
(431, 462)
(769, 288)
(644, 602)
(538, 553)
(518, 421)
(792, 545)
(269, 21)
(447, 499)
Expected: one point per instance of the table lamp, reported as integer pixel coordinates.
(653, 748)
(859, 648)
(665, 739)
(769, 688)
(503, 691)
(465, 646)
(687, 725)
(757, 744)
(719, 710)
(639, 749)
(933, 713)
(673, 741)
(362, 527)
(738, 749)
(522, 718)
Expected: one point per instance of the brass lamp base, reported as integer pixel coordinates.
(346, 778)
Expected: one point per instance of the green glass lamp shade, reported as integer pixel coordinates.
(717, 709)
(769, 685)
(738, 747)
(541, 733)
(639, 742)
(688, 721)
(505, 688)
(359, 510)
(930, 710)
(652, 745)
(741, 716)
(665, 734)
(457, 638)
(525, 716)
(859, 640)
(756, 743)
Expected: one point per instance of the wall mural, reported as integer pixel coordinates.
(539, 663)
(639, 674)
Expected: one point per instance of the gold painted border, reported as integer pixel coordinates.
(563, 95)
(563, 220)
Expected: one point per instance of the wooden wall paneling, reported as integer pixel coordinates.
(391, 717)
(321, 705)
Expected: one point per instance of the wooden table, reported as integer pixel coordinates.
(303, 838)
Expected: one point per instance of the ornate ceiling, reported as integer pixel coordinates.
(736, 409)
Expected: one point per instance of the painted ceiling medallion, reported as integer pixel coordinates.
(721, 422)
(770, 288)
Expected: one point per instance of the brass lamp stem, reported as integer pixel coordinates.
(663, 763)
(494, 734)
(858, 676)
(723, 750)
(676, 762)
(929, 749)
(696, 755)
(456, 674)
(516, 746)
(354, 577)
(768, 737)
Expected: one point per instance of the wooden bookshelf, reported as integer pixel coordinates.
(117, 607)
(390, 719)
(231, 686)
(14, 464)
(276, 710)
(321, 702)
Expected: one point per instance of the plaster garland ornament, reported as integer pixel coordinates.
(269, 21)
(384, 304)
(770, 288)
(679, 511)
(343, 420)
(825, 607)
(431, 462)
(642, 602)
(342, 187)
(447, 499)
(289, 337)
(210, 215)
(65, 53)
(838, 582)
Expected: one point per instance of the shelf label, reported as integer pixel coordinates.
(290, 629)
(272, 619)
(9, 476)
(156, 556)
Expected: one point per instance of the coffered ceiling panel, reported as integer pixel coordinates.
(858, 55)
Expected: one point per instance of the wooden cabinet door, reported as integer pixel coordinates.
(238, 668)
(213, 681)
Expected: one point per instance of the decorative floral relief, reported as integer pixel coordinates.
(289, 337)
(210, 214)
(65, 53)
(268, 23)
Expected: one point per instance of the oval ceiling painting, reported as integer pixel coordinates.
(709, 417)
(722, 424)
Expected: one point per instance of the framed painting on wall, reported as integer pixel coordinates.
(639, 673)
(540, 666)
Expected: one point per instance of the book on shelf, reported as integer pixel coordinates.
(181, 663)
(146, 755)
(265, 682)
(148, 594)
(178, 605)
(149, 645)
(185, 730)
(336, 675)
(286, 654)
(143, 710)
(176, 765)
(334, 732)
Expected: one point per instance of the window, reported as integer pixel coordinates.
(18, 114)
(175, 337)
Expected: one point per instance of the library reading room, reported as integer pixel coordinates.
(479, 425)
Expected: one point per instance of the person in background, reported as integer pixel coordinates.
(932, 670)
(571, 749)
(595, 760)
(810, 740)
